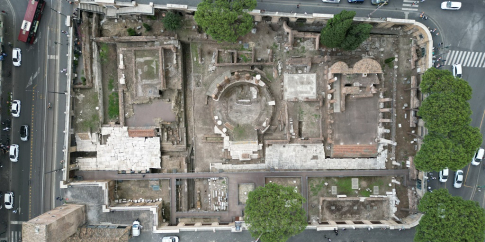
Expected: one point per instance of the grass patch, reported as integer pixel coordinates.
(365, 193)
(83, 79)
(344, 185)
(103, 53)
(244, 58)
(316, 188)
(111, 84)
(91, 123)
(113, 106)
(389, 61)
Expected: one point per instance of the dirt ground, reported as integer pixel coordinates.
(286, 181)
(322, 187)
(86, 117)
(146, 189)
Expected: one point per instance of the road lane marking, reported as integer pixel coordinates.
(16, 222)
(481, 122)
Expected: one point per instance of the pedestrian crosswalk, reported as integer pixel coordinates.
(410, 5)
(15, 236)
(465, 58)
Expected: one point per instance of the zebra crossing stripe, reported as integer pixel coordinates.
(468, 59)
(465, 58)
(449, 57)
(480, 60)
(462, 57)
(476, 59)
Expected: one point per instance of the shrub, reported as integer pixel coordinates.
(131, 32)
(147, 27)
(172, 21)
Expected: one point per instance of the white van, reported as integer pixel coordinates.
(478, 157)
(17, 57)
(444, 175)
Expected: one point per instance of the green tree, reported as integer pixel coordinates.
(225, 20)
(147, 27)
(447, 218)
(466, 141)
(334, 33)
(172, 21)
(357, 34)
(275, 213)
(131, 32)
(440, 81)
(340, 32)
(435, 153)
(445, 112)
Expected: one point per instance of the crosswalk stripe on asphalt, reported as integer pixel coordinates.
(466, 58)
(15, 236)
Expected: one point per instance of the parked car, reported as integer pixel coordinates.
(24, 132)
(458, 179)
(170, 239)
(14, 153)
(449, 5)
(331, 1)
(378, 2)
(15, 109)
(8, 199)
(444, 175)
(457, 70)
(17, 56)
(478, 157)
(136, 228)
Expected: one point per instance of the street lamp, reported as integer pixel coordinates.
(58, 12)
(380, 5)
(65, 93)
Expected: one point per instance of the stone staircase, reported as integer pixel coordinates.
(92, 8)
(353, 151)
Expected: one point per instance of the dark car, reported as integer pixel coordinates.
(378, 2)
(24, 132)
(355, 1)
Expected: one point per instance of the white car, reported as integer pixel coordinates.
(15, 109)
(478, 157)
(444, 175)
(457, 70)
(458, 179)
(17, 56)
(8, 200)
(449, 5)
(136, 228)
(331, 1)
(170, 239)
(14, 153)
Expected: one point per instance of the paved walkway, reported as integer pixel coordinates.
(234, 179)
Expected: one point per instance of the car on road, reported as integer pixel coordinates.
(331, 1)
(458, 179)
(478, 157)
(444, 175)
(8, 199)
(378, 2)
(24, 132)
(136, 228)
(450, 5)
(15, 109)
(355, 1)
(170, 239)
(457, 70)
(17, 56)
(14, 152)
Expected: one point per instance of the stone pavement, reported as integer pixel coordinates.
(234, 179)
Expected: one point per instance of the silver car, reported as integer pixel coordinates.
(449, 5)
(331, 1)
(458, 179)
(14, 153)
(8, 200)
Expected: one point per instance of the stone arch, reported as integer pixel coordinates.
(340, 67)
(367, 65)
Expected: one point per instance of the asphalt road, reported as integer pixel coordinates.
(374, 235)
(35, 83)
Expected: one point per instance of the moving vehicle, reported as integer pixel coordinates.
(170, 239)
(444, 175)
(449, 5)
(17, 56)
(14, 153)
(136, 228)
(478, 157)
(457, 70)
(32, 17)
(8, 200)
(378, 2)
(24, 132)
(458, 179)
(355, 1)
(15, 109)
(331, 1)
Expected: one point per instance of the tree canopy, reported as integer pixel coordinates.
(340, 32)
(225, 20)
(172, 21)
(445, 112)
(448, 218)
(275, 213)
(451, 141)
